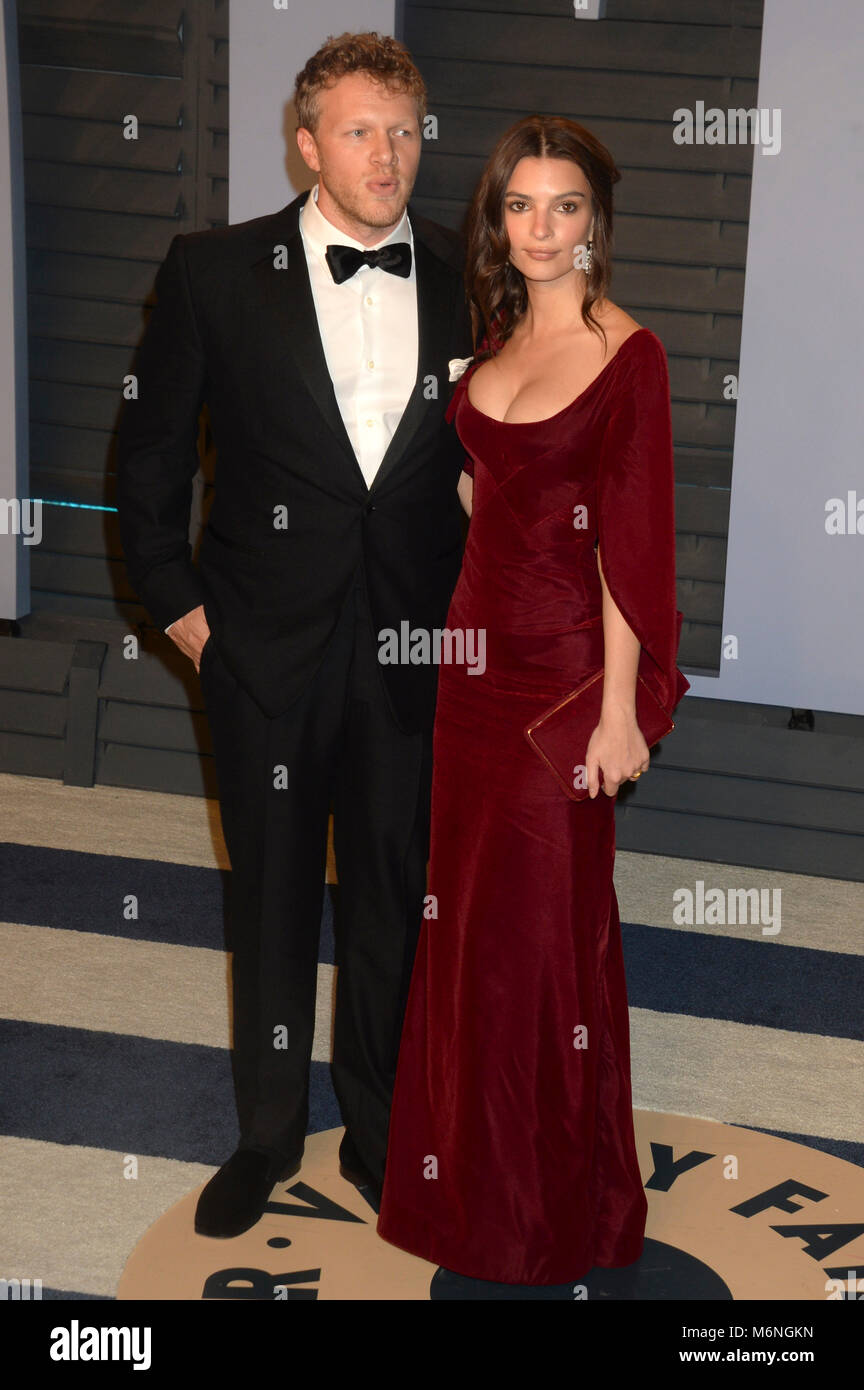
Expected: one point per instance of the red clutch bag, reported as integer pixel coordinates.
(560, 735)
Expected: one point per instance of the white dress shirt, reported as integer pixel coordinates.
(368, 328)
(369, 333)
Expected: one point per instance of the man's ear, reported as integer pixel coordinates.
(308, 149)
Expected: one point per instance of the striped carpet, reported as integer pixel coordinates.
(116, 1091)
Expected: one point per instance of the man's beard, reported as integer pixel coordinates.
(372, 214)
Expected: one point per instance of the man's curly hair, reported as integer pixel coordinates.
(381, 57)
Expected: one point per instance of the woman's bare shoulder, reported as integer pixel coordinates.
(616, 323)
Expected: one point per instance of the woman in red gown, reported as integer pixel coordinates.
(511, 1152)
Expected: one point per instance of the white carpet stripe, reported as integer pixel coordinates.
(77, 979)
(71, 1219)
(824, 914)
(116, 820)
(742, 1074)
(111, 820)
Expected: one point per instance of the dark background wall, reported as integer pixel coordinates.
(101, 211)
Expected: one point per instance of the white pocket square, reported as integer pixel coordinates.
(457, 366)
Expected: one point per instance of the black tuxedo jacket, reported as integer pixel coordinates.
(233, 328)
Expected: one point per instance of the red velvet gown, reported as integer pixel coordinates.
(511, 1152)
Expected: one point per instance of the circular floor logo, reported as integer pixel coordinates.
(732, 1214)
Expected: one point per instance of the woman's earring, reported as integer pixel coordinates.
(587, 262)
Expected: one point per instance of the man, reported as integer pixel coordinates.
(320, 338)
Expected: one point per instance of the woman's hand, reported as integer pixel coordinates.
(618, 747)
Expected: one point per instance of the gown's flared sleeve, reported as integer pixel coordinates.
(636, 515)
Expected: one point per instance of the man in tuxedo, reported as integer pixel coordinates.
(320, 338)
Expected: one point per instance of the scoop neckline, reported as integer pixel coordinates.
(522, 424)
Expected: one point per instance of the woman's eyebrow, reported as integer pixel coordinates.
(571, 193)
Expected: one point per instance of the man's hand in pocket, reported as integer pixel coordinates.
(190, 633)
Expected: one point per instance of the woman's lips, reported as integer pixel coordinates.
(541, 255)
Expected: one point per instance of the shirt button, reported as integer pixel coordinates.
(369, 299)
(370, 365)
(370, 423)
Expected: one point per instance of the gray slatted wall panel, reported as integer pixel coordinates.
(101, 211)
(681, 210)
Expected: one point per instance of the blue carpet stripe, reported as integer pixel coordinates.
(67, 1295)
(163, 1099)
(135, 1095)
(178, 904)
(759, 982)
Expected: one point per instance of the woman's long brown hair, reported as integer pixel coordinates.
(496, 289)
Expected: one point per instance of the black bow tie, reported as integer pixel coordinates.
(345, 261)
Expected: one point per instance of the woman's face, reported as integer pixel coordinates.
(548, 216)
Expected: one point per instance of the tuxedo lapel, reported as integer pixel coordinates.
(434, 293)
(288, 294)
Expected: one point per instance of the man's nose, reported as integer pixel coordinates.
(384, 151)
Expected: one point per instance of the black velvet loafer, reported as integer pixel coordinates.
(235, 1197)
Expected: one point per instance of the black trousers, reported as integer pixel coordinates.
(277, 779)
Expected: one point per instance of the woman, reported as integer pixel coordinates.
(511, 1151)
